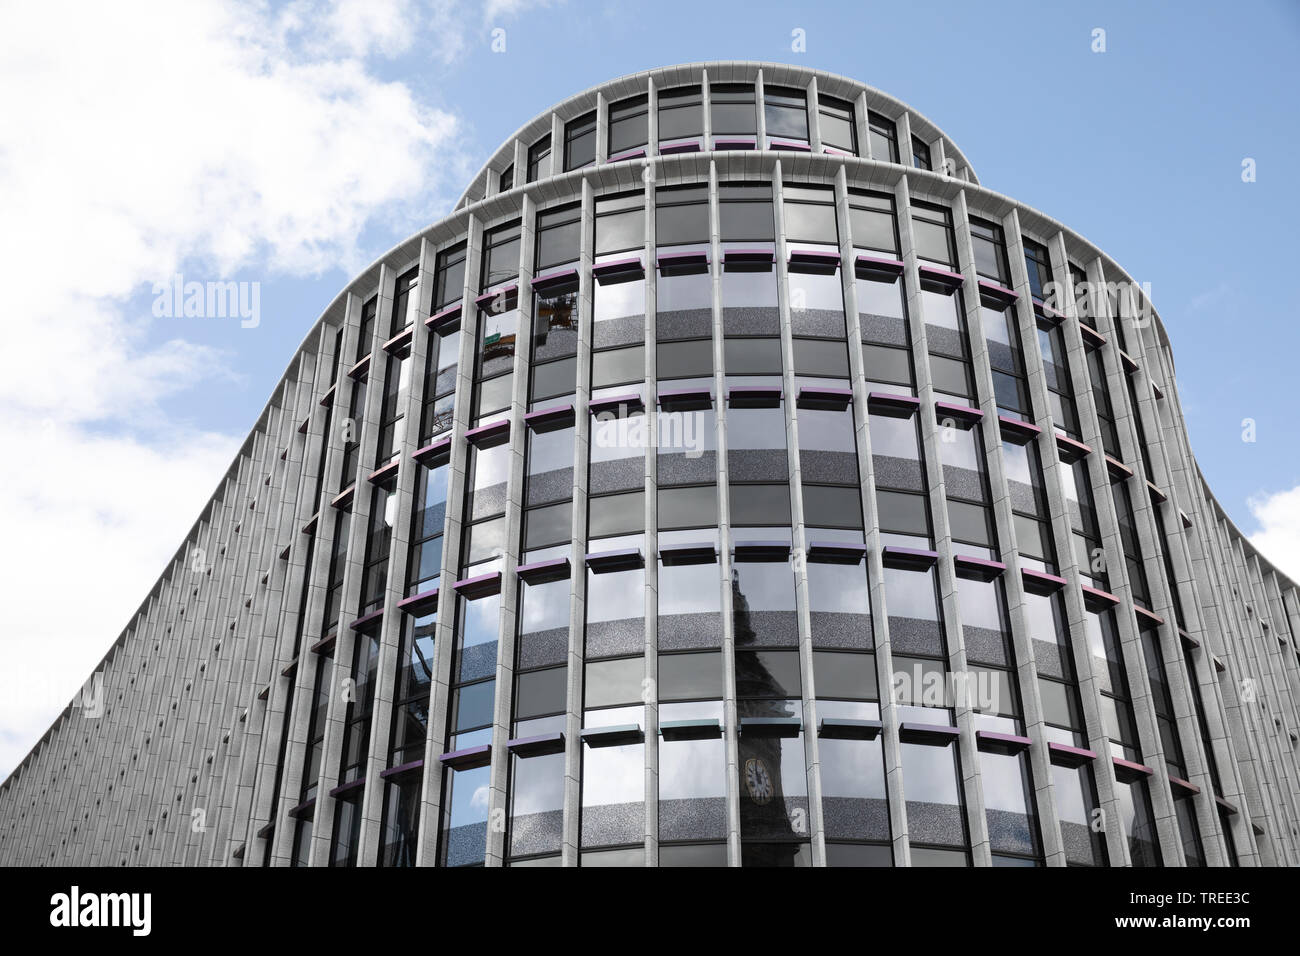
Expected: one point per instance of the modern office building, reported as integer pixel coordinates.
(730, 479)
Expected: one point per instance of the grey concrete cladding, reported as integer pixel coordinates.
(175, 752)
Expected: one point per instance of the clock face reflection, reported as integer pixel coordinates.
(758, 781)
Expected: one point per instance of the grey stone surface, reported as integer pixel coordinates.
(758, 464)
(818, 323)
(615, 638)
(623, 474)
(624, 330)
(901, 473)
(681, 632)
(835, 629)
(613, 824)
(543, 648)
(698, 818)
(829, 467)
(883, 329)
(939, 823)
(909, 635)
(549, 487)
(963, 483)
(984, 645)
(684, 324)
(856, 818)
(750, 320)
(536, 833)
(682, 469)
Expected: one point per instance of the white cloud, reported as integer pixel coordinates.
(1278, 539)
(140, 140)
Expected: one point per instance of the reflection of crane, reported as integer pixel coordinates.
(559, 312)
(763, 811)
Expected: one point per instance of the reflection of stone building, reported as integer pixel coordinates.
(765, 812)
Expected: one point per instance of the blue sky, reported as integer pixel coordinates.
(290, 144)
(1139, 149)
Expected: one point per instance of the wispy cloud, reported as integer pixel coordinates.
(1278, 537)
(140, 140)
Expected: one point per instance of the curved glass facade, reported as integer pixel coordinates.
(761, 510)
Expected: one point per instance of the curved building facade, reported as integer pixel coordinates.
(730, 479)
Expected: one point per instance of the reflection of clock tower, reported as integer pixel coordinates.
(763, 812)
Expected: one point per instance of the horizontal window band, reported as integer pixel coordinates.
(704, 729)
(432, 452)
(1045, 311)
(836, 552)
(402, 769)
(892, 404)
(991, 742)
(1091, 335)
(754, 396)
(930, 735)
(1070, 450)
(1016, 431)
(552, 281)
(977, 569)
(360, 369)
(1127, 771)
(844, 728)
(1117, 469)
(400, 342)
(1147, 620)
(1099, 600)
(344, 497)
(626, 402)
(547, 419)
(699, 552)
(540, 746)
(964, 413)
(770, 726)
(367, 621)
(683, 263)
(873, 267)
(908, 559)
(468, 759)
(638, 153)
(756, 551)
(615, 736)
(816, 261)
(353, 789)
(944, 279)
(493, 432)
(606, 562)
(824, 398)
(1040, 582)
(618, 270)
(540, 572)
(1066, 756)
(683, 146)
(419, 604)
(482, 585)
(686, 399)
(502, 299)
(385, 473)
(997, 292)
(445, 319)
